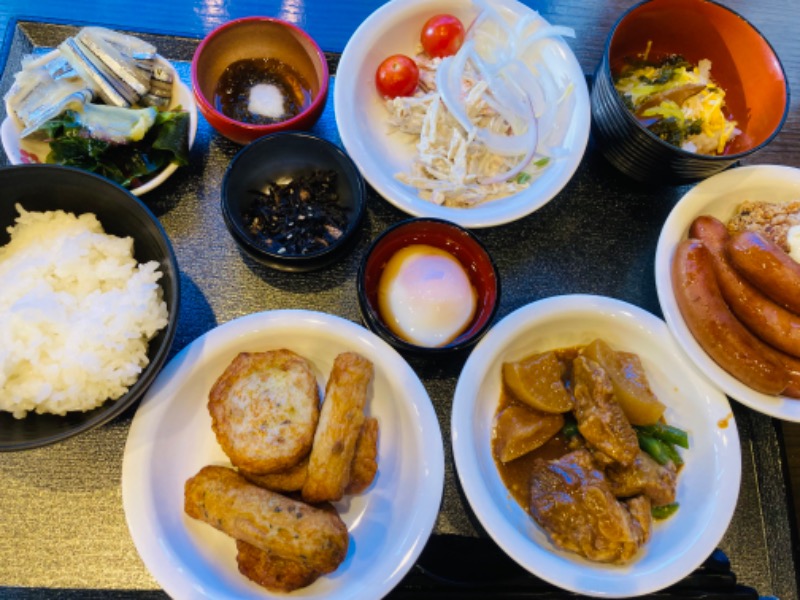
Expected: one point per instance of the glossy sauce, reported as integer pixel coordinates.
(261, 91)
(516, 474)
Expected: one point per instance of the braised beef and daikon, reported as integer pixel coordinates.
(581, 443)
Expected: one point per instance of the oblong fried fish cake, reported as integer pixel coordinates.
(288, 529)
(264, 410)
(341, 418)
(362, 469)
(365, 461)
(290, 480)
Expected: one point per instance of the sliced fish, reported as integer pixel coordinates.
(120, 70)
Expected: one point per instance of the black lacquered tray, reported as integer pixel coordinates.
(62, 528)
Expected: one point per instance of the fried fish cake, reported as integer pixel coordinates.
(264, 410)
(288, 529)
(272, 572)
(341, 418)
(290, 480)
(362, 469)
(365, 463)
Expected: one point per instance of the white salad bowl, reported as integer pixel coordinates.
(380, 153)
(708, 483)
(21, 151)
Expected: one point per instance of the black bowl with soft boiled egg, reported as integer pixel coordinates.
(415, 281)
(49, 187)
(293, 201)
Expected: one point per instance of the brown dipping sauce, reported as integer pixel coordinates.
(232, 94)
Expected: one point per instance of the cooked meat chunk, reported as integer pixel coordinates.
(572, 501)
(644, 476)
(601, 420)
(639, 507)
(601, 459)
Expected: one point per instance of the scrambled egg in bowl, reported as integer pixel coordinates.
(679, 102)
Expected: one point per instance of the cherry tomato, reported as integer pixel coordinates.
(398, 75)
(442, 36)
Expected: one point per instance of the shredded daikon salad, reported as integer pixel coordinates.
(491, 117)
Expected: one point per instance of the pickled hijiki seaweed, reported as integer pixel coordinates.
(297, 217)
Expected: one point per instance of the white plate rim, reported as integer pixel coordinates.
(723, 191)
(601, 581)
(136, 486)
(182, 95)
(482, 216)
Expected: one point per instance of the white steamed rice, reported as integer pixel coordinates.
(76, 314)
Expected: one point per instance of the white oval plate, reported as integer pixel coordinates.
(37, 151)
(170, 439)
(719, 196)
(708, 485)
(361, 116)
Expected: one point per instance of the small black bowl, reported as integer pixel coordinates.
(743, 64)
(443, 235)
(51, 187)
(282, 157)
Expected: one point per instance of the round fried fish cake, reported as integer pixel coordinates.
(264, 410)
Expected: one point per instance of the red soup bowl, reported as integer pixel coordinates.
(259, 75)
(439, 237)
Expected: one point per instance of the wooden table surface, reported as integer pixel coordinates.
(331, 24)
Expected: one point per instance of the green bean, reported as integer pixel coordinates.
(664, 511)
(666, 433)
(673, 454)
(653, 447)
(570, 428)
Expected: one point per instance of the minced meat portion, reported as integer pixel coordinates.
(771, 219)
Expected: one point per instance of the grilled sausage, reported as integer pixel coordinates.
(769, 321)
(767, 267)
(715, 327)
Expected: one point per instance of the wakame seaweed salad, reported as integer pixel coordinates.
(128, 163)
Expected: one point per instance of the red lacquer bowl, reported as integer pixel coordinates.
(258, 37)
(447, 236)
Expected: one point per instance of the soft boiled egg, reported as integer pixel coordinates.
(425, 296)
